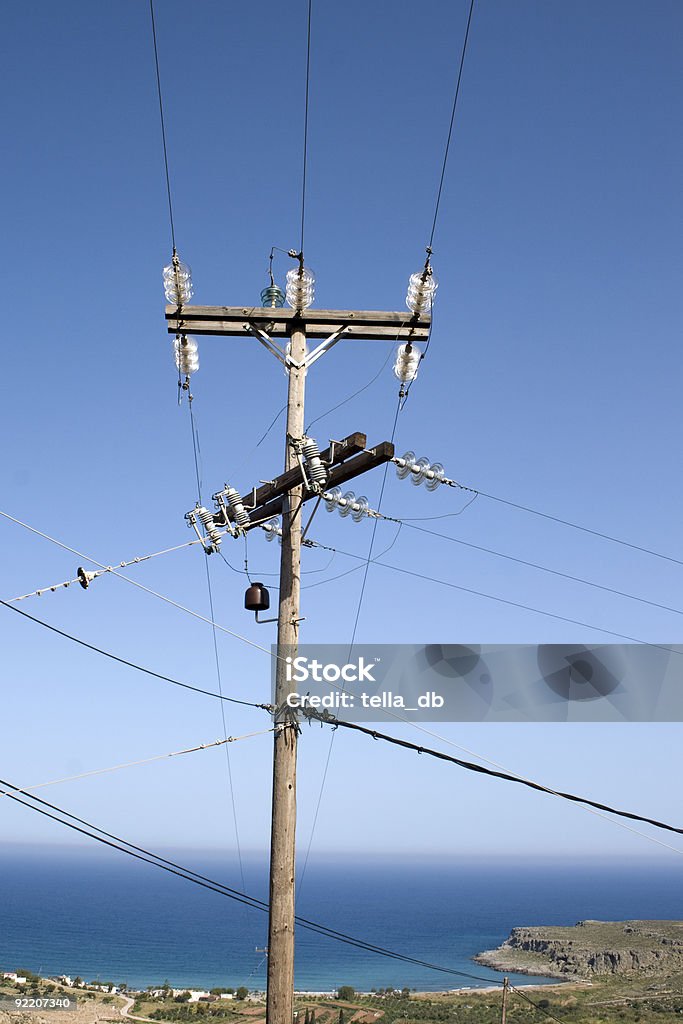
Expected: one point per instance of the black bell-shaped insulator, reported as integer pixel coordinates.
(257, 598)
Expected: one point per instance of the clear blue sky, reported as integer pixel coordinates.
(553, 379)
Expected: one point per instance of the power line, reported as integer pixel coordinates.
(415, 725)
(132, 664)
(147, 760)
(355, 393)
(590, 810)
(450, 127)
(446, 515)
(357, 568)
(260, 441)
(163, 126)
(140, 586)
(541, 568)
(305, 157)
(537, 1006)
(95, 575)
(86, 828)
(376, 561)
(353, 637)
(505, 601)
(374, 529)
(576, 526)
(196, 449)
(481, 770)
(602, 535)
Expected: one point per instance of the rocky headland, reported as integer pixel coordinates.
(591, 948)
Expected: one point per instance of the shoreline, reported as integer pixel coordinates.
(496, 960)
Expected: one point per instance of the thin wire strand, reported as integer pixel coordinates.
(231, 787)
(102, 572)
(376, 561)
(447, 515)
(537, 1006)
(374, 530)
(141, 586)
(576, 526)
(148, 760)
(452, 121)
(140, 853)
(132, 664)
(305, 156)
(163, 126)
(260, 441)
(543, 568)
(356, 568)
(355, 393)
(511, 603)
(353, 637)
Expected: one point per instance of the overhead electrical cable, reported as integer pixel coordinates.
(163, 125)
(374, 734)
(84, 827)
(305, 153)
(231, 787)
(132, 664)
(452, 122)
(575, 526)
(376, 561)
(374, 530)
(535, 565)
(140, 586)
(537, 1006)
(526, 562)
(366, 567)
(356, 568)
(147, 760)
(258, 444)
(101, 572)
(505, 601)
(355, 394)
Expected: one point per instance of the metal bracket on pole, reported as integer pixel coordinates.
(286, 360)
(323, 347)
(268, 343)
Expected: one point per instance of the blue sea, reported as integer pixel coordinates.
(100, 915)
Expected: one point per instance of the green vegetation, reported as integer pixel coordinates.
(592, 948)
(608, 1000)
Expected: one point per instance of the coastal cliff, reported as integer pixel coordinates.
(591, 948)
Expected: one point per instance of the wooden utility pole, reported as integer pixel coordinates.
(280, 992)
(287, 494)
(506, 989)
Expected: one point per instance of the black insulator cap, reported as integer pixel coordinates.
(257, 598)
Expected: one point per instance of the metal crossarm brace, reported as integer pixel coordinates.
(282, 355)
(270, 345)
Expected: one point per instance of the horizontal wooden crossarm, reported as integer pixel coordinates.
(338, 475)
(334, 455)
(234, 321)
